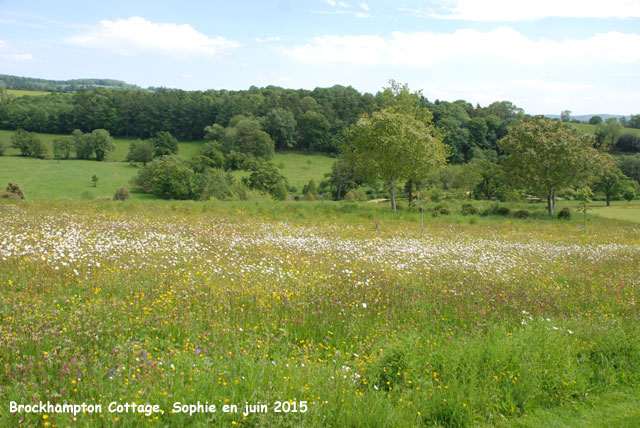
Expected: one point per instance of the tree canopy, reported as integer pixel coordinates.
(392, 146)
(547, 155)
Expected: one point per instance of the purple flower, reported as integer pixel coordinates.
(111, 372)
(143, 353)
(198, 351)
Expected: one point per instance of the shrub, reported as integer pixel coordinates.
(62, 147)
(13, 191)
(309, 196)
(442, 209)
(503, 211)
(355, 195)
(122, 194)
(28, 143)
(3, 147)
(564, 214)
(468, 209)
(140, 151)
(628, 143)
(522, 214)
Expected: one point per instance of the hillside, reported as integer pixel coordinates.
(34, 84)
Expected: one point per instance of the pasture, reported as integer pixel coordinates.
(509, 323)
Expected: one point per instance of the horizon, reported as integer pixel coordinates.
(543, 57)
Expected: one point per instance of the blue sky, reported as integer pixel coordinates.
(543, 55)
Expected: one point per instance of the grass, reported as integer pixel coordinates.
(591, 129)
(23, 92)
(49, 179)
(619, 211)
(497, 322)
(66, 179)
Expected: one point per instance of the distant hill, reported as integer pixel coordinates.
(33, 84)
(586, 117)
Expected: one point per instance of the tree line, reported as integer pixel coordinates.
(312, 120)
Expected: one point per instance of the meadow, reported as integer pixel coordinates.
(49, 179)
(351, 314)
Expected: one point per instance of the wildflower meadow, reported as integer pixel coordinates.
(182, 315)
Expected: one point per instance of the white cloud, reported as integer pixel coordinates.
(331, 2)
(362, 15)
(13, 56)
(364, 6)
(137, 35)
(544, 85)
(526, 10)
(426, 49)
(268, 39)
(16, 57)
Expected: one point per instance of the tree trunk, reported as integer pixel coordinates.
(608, 202)
(410, 190)
(549, 205)
(392, 191)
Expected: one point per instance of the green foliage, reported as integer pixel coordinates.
(392, 146)
(280, 124)
(564, 214)
(630, 166)
(102, 143)
(167, 177)
(628, 143)
(355, 195)
(94, 180)
(545, 156)
(265, 177)
(607, 133)
(140, 151)
(28, 143)
(164, 144)
(63, 147)
(340, 180)
(3, 147)
(215, 183)
(211, 150)
(611, 181)
(122, 194)
(468, 209)
(83, 144)
(310, 187)
(314, 133)
(522, 214)
(245, 135)
(595, 120)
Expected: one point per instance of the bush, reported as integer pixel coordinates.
(468, 209)
(122, 194)
(564, 214)
(29, 144)
(441, 209)
(628, 143)
(13, 191)
(3, 147)
(355, 195)
(522, 214)
(167, 177)
(503, 211)
(309, 197)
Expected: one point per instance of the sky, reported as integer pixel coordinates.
(543, 55)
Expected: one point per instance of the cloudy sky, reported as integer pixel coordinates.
(543, 55)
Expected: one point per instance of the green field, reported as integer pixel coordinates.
(495, 323)
(619, 211)
(22, 92)
(591, 129)
(49, 179)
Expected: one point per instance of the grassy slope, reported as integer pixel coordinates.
(591, 129)
(619, 211)
(50, 180)
(23, 92)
